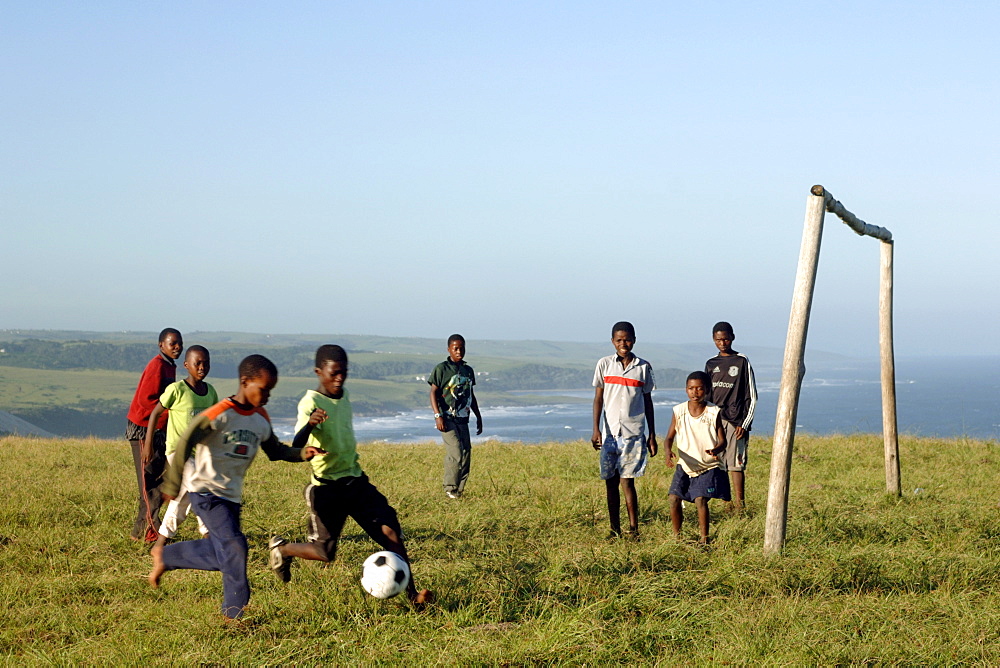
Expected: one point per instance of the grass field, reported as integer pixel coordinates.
(521, 567)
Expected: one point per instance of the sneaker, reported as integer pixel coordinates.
(282, 566)
(453, 495)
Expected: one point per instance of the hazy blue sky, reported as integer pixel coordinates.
(508, 170)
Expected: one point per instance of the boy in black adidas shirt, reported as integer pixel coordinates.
(734, 391)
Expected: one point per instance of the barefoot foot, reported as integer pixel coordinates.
(422, 600)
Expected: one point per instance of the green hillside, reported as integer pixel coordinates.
(80, 383)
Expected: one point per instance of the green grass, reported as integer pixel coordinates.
(521, 567)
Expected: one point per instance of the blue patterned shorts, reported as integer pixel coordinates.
(712, 484)
(623, 457)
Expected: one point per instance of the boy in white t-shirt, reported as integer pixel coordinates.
(697, 428)
(224, 441)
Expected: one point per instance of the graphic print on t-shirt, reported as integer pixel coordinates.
(242, 441)
(459, 389)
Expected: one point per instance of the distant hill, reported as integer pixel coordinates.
(134, 349)
(11, 424)
(78, 383)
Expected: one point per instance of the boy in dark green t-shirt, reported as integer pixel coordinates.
(452, 397)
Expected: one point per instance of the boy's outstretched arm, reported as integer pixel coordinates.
(595, 437)
(147, 444)
(647, 407)
(275, 449)
(668, 442)
(475, 411)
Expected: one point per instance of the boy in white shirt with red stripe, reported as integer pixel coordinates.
(623, 407)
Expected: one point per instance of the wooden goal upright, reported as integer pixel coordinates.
(793, 369)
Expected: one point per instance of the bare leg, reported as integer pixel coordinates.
(393, 543)
(676, 514)
(614, 503)
(737, 479)
(631, 504)
(158, 568)
(302, 551)
(701, 503)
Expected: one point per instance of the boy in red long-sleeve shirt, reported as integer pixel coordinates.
(160, 372)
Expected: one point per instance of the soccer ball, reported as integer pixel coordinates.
(384, 574)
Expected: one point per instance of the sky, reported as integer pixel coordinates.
(507, 170)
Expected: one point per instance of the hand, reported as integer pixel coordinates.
(317, 416)
(479, 426)
(146, 454)
(740, 433)
(669, 459)
(596, 440)
(716, 451)
(439, 424)
(653, 447)
(311, 451)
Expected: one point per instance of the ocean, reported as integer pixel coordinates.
(943, 397)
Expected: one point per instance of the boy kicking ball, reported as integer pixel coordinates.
(697, 428)
(339, 487)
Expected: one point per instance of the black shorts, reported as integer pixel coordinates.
(332, 502)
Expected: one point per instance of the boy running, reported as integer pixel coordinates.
(452, 397)
(734, 391)
(697, 427)
(339, 487)
(185, 399)
(224, 440)
(623, 384)
(159, 372)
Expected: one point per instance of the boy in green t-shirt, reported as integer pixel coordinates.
(452, 397)
(184, 399)
(339, 487)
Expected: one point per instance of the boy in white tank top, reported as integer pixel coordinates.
(697, 428)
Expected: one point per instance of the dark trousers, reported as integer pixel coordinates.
(224, 550)
(148, 479)
(457, 454)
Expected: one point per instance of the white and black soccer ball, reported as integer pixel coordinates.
(385, 574)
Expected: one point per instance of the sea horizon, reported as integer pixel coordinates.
(933, 399)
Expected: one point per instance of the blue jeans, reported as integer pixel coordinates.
(224, 550)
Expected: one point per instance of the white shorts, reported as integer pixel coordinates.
(623, 457)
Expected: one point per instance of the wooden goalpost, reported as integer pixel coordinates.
(818, 203)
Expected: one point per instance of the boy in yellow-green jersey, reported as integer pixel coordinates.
(339, 487)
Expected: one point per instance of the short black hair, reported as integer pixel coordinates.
(330, 353)
(702, 376)
(255, 365)
(722, 326)
(197, 349)
(168, 331)
(455, 337)
(623, 326)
